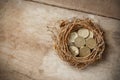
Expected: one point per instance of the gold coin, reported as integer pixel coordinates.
(91, 43)
(90, 35)
(79, 41)
(74, 50)
(72, 37)
(84, 51)
(83, 32)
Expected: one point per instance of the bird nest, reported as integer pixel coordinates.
(61, 36)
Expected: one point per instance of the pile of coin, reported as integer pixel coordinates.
(81, 42)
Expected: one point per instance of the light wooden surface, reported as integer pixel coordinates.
(26, 50)
(108, 8)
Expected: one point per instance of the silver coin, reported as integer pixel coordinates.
(74, 50)
(90, 35)
(72, 37)
(83, 32)
(79, 41)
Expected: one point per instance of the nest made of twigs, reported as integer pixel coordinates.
(60, 36)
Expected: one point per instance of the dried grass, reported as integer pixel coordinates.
(60, 36)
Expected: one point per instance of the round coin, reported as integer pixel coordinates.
(72, 37)
(91, 43)
(90, 35)
(84, 51)
(74, 50)
(83, 32)
(79, 41)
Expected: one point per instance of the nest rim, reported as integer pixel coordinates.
(62, 42)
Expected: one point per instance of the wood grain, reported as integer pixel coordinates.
(26, 47)
(107, 8)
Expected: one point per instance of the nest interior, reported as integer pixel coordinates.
(61, 35)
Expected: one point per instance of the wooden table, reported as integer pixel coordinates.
(26, 47)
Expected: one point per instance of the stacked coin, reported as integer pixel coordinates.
(81, 42)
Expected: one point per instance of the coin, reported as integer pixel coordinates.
(84, 51)
(79, 41)
(90, 35)
(72, 37)
(91, 43)
(83, 32)
(74, 50)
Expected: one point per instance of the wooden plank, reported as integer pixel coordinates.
(26, 49)
(108, 8)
